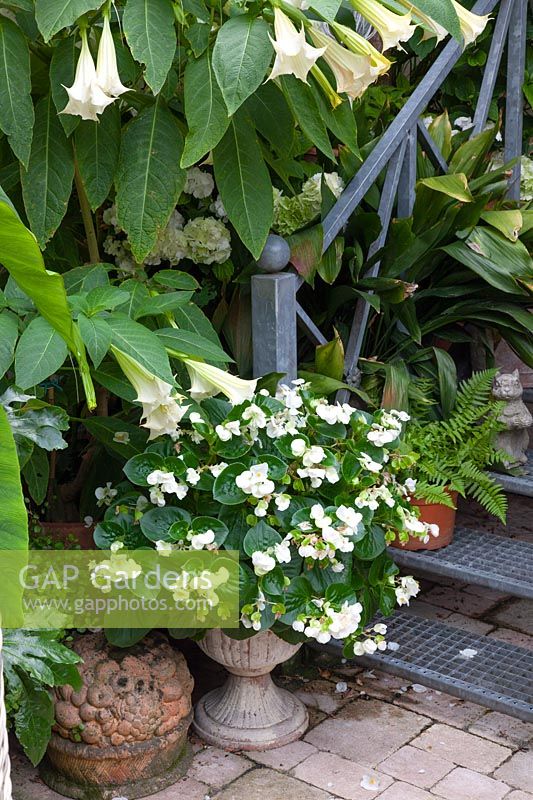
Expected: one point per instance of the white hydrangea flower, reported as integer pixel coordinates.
(208, 240)
(199, 183)
(171, 244)
(217, 208)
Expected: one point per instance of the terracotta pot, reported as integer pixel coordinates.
(249, 712)
(436, 514)
(63, 531)
(124, 733)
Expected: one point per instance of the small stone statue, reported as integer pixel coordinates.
(515, 416)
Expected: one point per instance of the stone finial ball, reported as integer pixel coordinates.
(275, 255)
(128, 695)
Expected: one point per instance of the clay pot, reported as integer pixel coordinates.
(124, 733)
(249, 712)
(437, 514)
(63, 531)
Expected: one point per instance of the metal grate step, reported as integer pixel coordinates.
(498, 676)
(476, 557)
(518, 484)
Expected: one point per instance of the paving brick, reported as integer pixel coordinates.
(462, 748)
(339, 776)
(468, 624)
(485, 591)
(186, 789)
(464, 784)
(285, 757)
(322, 695)
(419, 608)
(518, 795)
(469, 604)
(512, 637)
(503, 729)
(417, 767)
(441, 707)
(518, 771)
(517, 614)
(266, 784)
(404, 791)
(315, 716)
(379, 685)
(367, 731)
(216, 768)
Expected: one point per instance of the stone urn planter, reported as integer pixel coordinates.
(124, 733)
(249, 712)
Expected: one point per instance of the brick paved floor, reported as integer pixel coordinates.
(401, 743)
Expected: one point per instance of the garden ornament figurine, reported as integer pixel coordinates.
(515, 416)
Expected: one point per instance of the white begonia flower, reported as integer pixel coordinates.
(157, 498)
(368, 463)
(282, 501)
(261, 508)
(86, 98)
(199, 183)
(369, 646)
(166, 483)
(298, 625)
(208, 381)
(433, 529)
(164, 549)
(464, 123)
(105, 494)
(313, 455)
(294, 56)
(380, 628)
(121, 437)
(255, 417)
(352, 71)
(228, 430)
(334, 413)
(381, 436)
(282, 551)
(162, 412)
(255, 481)
(413, 524)
(216, 469)
(408, 588)
(107, 75)
(346, 621)
(350, 517)
(263, 563)
(392, 28)
(471, 24)
(298, 447)
(410, 485)
(201, 540)
(196, 418)
(192, 476)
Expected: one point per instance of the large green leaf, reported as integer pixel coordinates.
(149, 179)
(190, 344)
(241, 57)
(9, 332)
(47, 183)
(455, 185)
(244, 183)
(443, 12)
(20, 255)
(13, 517)
(36, 473)
(149, 29)
(272, 116)
(97, 150)
(191, 318)
(301, 99)
(34, 719)
(97, 336)
(52, 15)
(16, 107)
(62, 70)
(326, 8)
(142, 345)
(206, 112)
(41, 352)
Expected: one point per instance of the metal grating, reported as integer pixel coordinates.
(476, 557)
(499, 676)
(518, 484)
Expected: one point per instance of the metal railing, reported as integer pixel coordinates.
(276, 312)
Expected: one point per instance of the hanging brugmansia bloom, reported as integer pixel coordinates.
(431, 28)
(471, 24)
(294, 56)
(162, 406)
(208, 381)
(86, 98)
(379, 64)
(352, 71)
(107, 75)
(392, 28)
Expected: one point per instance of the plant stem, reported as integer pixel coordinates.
(87, 217)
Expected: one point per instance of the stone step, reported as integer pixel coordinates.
(494, 674)
(476, 557)
(521, 483)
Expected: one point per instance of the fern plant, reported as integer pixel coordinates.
(454, 454)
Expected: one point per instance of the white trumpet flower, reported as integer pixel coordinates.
(86, 98)
(107, 75)
(392, 28)
(352, 71)
(379, 64)
(162, 411)
(431, 28)
(208, 381)
(294, 56)
(471, 24)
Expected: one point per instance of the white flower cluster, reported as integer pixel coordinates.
(193, 541)
(311, 458)
(330, 624)
(388, 428)
(372, 642)
(406, 588)
(105, 494)
(112, 570)
(324, 536)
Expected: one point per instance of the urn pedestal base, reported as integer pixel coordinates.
(249, 712)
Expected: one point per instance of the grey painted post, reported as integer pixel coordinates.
(514, 103)
(406, 186)
(274, 324)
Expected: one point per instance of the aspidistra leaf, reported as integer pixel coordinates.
(16, 107)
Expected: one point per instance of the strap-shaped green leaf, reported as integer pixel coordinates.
(244, 183)
(9, 332)
(52, 15)
(149, 179)
(16, 107)
(241, 57)
(13, 517)
(149, 29)
(47, 183)
(206, 112)
(97, 150)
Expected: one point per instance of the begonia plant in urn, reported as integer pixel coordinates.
(306, 492)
